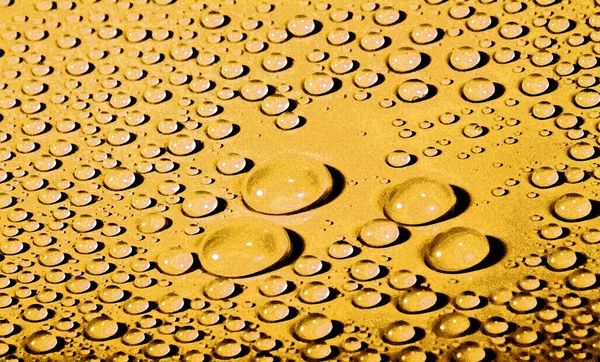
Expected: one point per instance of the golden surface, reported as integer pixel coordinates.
(297, 180)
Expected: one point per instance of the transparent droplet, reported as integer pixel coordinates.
(243, 246)
(286, 185)
(572, 207)
(419, 201)
(457, 250)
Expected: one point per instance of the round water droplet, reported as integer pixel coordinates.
(572, 207)
(544, 177)
(413, 90)
(452, 325)
(243, 246)
(379, 233)
(404, 60)
(419, 201)
(199, 204)
(101, 328)
(119, 179)
(41, 342)
(312, 327)
(534, 84)
(365, 270)
(561, 258)
(457, 250)
(318, 84)
(286, 185)
(417, 301)
(399, 332)
(174, 261)
(469, 352)
(478, 90)
(314, 292)
(273, 311)
(152, 223)
(464, 58)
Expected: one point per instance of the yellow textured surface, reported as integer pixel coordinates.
(295, 180)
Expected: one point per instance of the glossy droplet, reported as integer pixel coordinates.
(419, 201)
(413, 90)
(364, 270)
(273, 286)
(470, 352)
(318, 84)
(465, 58)
(478, 90)
(243, 246)
(101, 328)
(119, 179)
(199, 204)
(457, 250)
(452, 325)
(544, 177)
(174, 261)
(399, 332)
(152, 223)
(572, 207)
(308, 265)
(312, 327)
(273, 311)
(286, 185)
(534, 84)
(379, 233)
(404, 60)
(561, 258)
(417, 301)
(41, 342)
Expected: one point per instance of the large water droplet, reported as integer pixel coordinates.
(243, 246)
(457, 250)
(419, 201)
(286, 184)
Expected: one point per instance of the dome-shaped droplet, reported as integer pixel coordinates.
(243, 246)
(101, 328)
(379, 233)
(572, 207)
(199, 204)
(478, 90)
(404, 60)
(119, 179)
(413, 90)
(419, 201)
(286, 184)
(417, 301)
(319, 84)
(399, 332)
(464, 58)
(41, 342)
(544, 177)
(312, 327)
(452, 325)
(457, 250)
(174, 261)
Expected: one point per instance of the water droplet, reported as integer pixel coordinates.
(312, 327)
(457, 250)
(452, 325)
(286, 185)
(101, 328)
(572, 207)
(243, 246)
(419, 201)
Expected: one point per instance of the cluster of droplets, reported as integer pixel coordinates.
(136, 224)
